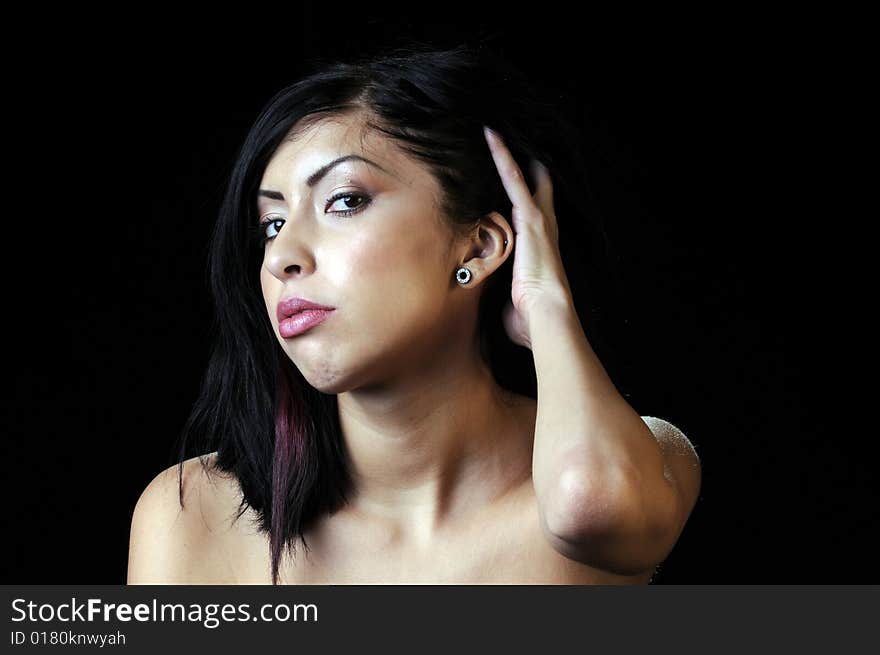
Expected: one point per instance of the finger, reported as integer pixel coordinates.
(543, 187)
(511, 176)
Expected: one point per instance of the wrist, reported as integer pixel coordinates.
(554, 304)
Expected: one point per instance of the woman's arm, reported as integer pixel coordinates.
(600, 475)
(613, 493)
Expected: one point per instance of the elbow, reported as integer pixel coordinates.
(586, 505)
(609, 524)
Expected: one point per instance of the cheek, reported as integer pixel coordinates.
(365, 258)
(270, 287)
(391, 267)
(370, 278)
(396, 284)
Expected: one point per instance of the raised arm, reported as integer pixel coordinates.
(613, 490)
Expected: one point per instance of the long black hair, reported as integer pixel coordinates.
(278, 435)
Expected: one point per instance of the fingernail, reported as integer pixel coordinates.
(490, 132)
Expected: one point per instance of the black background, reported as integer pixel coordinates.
(701, 134)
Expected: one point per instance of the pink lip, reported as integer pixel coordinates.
(302, 321)
(296, 315)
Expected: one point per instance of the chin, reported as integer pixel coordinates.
(339, 370)
(330, 387)
(325, 378)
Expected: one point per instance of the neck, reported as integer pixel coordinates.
(425, 448)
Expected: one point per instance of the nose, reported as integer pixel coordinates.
(287, 252)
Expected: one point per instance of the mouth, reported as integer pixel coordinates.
(291, 306)
(302, 321)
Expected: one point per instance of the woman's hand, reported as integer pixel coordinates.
(539, 279)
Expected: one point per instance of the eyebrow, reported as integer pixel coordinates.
(319, 174)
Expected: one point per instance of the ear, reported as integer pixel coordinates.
(487, 250)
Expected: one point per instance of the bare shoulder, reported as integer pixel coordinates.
(167, 538)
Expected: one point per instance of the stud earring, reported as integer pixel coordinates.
(462, 275)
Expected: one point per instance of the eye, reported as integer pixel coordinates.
(347, 196)
(261, 234)
(259, 230)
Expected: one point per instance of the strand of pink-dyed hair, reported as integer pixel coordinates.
(289, 449)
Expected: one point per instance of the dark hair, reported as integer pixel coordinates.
(278, 435)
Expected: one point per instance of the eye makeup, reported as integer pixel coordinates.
(364, 200)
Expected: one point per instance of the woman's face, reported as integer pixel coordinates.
(387, 268)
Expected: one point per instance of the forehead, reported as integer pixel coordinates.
(307, 148)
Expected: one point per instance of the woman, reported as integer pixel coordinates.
(390, 299)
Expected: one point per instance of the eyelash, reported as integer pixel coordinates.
(259, 230)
